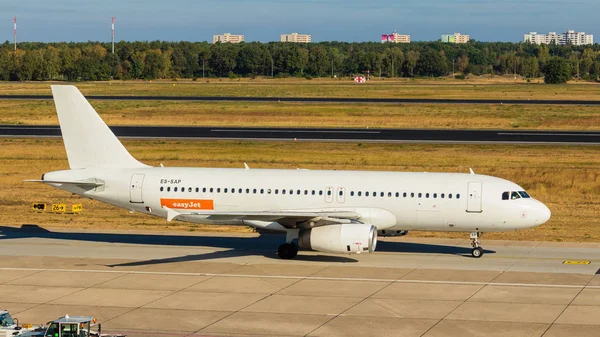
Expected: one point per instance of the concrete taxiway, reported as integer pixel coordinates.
(172, 284)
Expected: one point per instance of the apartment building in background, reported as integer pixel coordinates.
(228, 38)
(395, 38)
(569, 37)
(455, 38)
(295, 37)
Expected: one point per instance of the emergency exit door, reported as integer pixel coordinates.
(474, 197)
(135, 189)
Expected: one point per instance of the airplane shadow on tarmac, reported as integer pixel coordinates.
(264, 244)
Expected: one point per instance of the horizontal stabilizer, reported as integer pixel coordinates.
(78, 183)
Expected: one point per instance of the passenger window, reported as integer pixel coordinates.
(197, 189)
(420, 195)
(341, 193)
(161, 188)
(359, 193)
(168, 189)
(381, 194)
(397, 194)
(329, 192)
(450, 196)
(189, 189)
(247, 191)
(412, 194)
(366, 194)
(219, 190)
(435, 195)
(282, 191)
(254, 191)
(305, 192)
(203, 189)
(262, 191)
(183, 189)
(174, 189)
(292, 192)
(233, 190)
(351, 193)
(298, 192)
(240, 191)
(457, 196)
(442, 195)
(404, 194)
(225, 191)
(276, 191)
(211, 190)
(427, 195)
(514, 195)
(320, 192)
(313, 192)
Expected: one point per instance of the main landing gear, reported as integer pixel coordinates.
(477, 251)
(289, 249)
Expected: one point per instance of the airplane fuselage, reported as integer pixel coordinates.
(387, 200)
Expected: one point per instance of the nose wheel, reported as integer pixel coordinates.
(477, 251)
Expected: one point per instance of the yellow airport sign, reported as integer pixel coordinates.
(76, 208)
(576, 262)
(59, 208)
(39, 207)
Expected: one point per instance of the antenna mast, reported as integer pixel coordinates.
(113, 34)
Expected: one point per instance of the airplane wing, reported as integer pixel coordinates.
(285, 218)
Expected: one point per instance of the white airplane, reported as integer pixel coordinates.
(327, 211)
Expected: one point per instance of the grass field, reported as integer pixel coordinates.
(478, 88)
(566, 178)
(548, 117)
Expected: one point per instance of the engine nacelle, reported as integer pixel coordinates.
(389, 232)
(354, 238)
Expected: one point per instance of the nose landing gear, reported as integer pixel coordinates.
(477, 251)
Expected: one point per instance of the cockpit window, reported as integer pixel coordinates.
(514, 195)
(505, 195)
(524, 194)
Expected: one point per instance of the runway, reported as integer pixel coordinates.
(314, 100)
(207, 284)
(341, 135)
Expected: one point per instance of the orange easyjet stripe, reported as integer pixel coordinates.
(188, 203)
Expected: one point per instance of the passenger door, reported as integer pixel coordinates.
(474, 197)
(135, 189)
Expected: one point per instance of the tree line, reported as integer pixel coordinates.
(93, 61)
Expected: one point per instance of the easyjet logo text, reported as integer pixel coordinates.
(187, 203)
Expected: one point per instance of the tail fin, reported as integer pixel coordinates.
(88, 140)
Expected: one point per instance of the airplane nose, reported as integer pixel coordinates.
(542, 214)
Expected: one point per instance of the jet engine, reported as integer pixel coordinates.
(354, 238)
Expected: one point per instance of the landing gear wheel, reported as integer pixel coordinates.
(477, 252)
(287, 251)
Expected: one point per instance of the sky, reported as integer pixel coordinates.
(265, 20)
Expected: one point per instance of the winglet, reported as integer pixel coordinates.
(471, 170)
(246, 166)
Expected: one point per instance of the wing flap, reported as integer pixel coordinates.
(317, 218)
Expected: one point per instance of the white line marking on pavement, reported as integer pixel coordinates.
(137, 272)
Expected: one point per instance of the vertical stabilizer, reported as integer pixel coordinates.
(88, 140)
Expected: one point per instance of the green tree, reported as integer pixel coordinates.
(412, 57)
(530, 67)
(557, 71)
(431, 63)
(392, 61)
